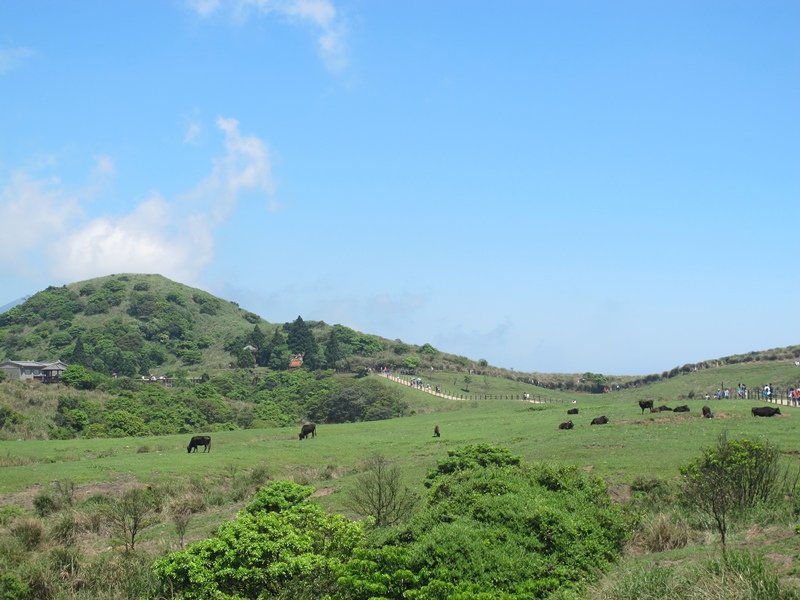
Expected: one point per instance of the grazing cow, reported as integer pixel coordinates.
(646, 404)
(765, 411)
(599, 420)
(308, 429)
(566, 425)
(199, 440)
(664, 408)
(707, 413)
(572, 411)
(683, 408)
(436, 432)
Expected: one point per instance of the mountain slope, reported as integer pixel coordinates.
(136, 324)
(125, 323)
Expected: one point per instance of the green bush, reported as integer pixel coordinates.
(279, 496)
(519, 531)
(295, 552)
(734, 477)
(44, 504)
(79, 377)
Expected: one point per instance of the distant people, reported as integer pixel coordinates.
(436, 432)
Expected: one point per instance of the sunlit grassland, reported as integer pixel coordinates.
(633, 445)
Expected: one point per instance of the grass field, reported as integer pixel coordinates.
(632, 445)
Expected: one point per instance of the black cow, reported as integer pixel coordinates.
(683, 408)
(765, 411)
(646, 404)
(308, 429)
(572, 411)
(599, 420)
(566, 425)
(664, 408)
(707, 413)
(199, 440)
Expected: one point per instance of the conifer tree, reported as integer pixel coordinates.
(301, 341)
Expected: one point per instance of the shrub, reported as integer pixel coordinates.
(379, 492)
(661, 533)
(64, 529)
(279, 496)
(265, 554)
(494, 524)
(29, 532)
(730, 478)
(44, 504)
(131, 513)
(78, 377)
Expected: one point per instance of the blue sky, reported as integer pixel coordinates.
(554, 186)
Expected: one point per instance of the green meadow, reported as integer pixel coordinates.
(633, 445)
(670, 553)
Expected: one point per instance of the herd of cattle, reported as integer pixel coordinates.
(757, 411)
(310, 429)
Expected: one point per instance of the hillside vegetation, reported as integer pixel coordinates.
(135, 324)
(138, 325)
(99, 497)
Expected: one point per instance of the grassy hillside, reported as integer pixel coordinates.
(135, 324)
(633, 453)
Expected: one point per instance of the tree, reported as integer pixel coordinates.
(411, 363)
(244, 358)
(333, 350)
(596, 381)
(277, 352)
(428, 350)
(259, 340)
(79, 377)
(467, 381)
(359, 400)
(730, 478)
(301, 341)
(131, 513)
(379, 492)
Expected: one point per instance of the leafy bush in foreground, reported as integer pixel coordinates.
(295, 550)
(494, 528)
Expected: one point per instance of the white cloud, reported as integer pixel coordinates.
(32, 211)
(148, 240)
(45, 227)
(11, 58)
(104, 166)
(320, 14)
(244, 167)
(203, 7)
(192, 133)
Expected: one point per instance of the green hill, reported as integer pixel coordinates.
(136, 324)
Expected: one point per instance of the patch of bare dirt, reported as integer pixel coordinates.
(620, 493)
(781, 560)
(111, 488)
(326, 491)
